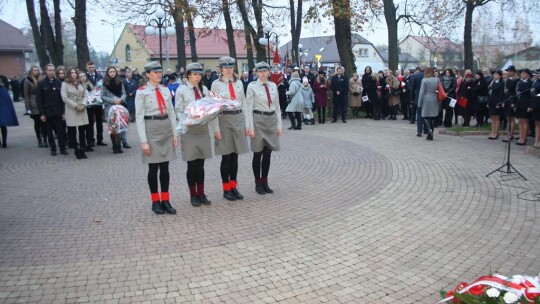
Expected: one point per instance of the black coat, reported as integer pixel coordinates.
(94, 79)
(48, 97)
(207, 80)
(524, 99)
(415, 88)
(310, 77)
(535, 101)
(496, 93)
(369, 86)
(449, 84)
(340, 84)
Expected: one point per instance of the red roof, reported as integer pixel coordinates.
(210, 43)
(436, 43)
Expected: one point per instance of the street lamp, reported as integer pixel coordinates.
(303, 54)
(162, 23)
(113, 34)
(266, 39)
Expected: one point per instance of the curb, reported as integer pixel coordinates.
(469, 133)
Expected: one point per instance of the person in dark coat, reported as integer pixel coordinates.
(307, 73)
(51, 108)
(245, 80)
(415, 89)
(448, 82)
(509, 106)
(496, 97)
(8, 117)
(208, 78)
(132, 86)
(369, 90)
(465, 91)
(381, 95)
(15, 88)
(481, 92)
(535, 108)
(523, 103)
(321, 96)
(95, 112)
(405, 96)
(340, 89)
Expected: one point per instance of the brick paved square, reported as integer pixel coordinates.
(363, 212)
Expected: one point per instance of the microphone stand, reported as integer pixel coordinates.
(507, 166)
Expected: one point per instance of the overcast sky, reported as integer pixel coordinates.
(100, 34)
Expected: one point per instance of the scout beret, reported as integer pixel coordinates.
(511, 68)
(526, 71)
(226, 61)
(262, 66)
(152, 66)
(194, 67)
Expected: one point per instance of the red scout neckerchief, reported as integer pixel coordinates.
(268, 94)
(231, 91)
(197, 94)
(161, 101)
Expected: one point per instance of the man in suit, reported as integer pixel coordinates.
(208, 78)
(415, 90)
(340, 89)
(51, 109)
(95, 112)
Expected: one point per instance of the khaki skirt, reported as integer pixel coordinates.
(195, 144)
(160, 139)
(233, 135)
(265, 133)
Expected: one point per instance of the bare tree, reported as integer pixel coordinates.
(81, 34)
(296, 28)
(52, 39)
(41, 51)
(230, 30)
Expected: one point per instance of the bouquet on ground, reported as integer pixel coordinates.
(204, 110)
(495, 289)
(118, 120)
(94, 96)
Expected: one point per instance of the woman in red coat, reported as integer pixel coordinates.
(320, 88)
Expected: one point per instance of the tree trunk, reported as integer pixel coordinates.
(252, 33)
(249, 49)
(343, 35)
(392, 24)
(40, 47)
(296, 29)
(257, 11)
(191, 31)
(58, 42)
(467, 36)
(230, 31)
(180, 32)
(81, 37)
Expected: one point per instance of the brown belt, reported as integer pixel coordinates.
(264, 113)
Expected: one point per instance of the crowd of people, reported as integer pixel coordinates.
(64, 117)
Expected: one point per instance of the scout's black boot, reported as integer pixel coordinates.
(166, 205)
(39, 142)
(45, 143)
(229, 195)
(157, 207)
(78, 154)
(291, 118)
(266, 188)
(298, 124)
(259, 189)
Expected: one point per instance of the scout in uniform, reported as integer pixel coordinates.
(231, 126)
(156, 125)
(195, 144)
(264, 124)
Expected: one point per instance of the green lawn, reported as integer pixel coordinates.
(485, 127)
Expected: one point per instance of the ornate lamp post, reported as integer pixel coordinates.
(161, 22)
(266, 39)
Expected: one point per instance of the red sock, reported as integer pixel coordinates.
(192, 190)
(264, 180)
(233, 184)
(164, 196)
(258, 181)
(154, 197)
(227, 186)
(200, 189)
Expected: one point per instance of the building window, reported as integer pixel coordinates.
(128, 53)
(363, 53)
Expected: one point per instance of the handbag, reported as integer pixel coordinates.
(441, 94)
(365, 98)
(462, 102)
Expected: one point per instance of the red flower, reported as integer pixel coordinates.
(477, 290)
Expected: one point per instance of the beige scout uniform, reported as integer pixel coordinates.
(72, 96)
(153, 128)
(195, 144)
(232, 123)
(263, 119)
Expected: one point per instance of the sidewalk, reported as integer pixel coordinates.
(363, 212)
